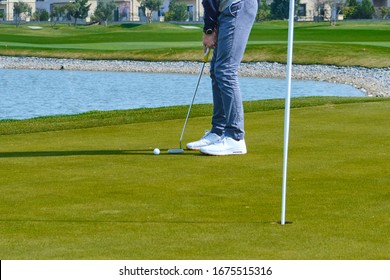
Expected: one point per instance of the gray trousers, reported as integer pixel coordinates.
(234, 26)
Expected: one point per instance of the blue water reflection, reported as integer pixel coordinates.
(32, 93)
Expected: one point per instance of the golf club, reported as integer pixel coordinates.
(181, 150)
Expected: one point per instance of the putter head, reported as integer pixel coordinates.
(175, 151)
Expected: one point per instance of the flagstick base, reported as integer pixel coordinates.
(280, 223)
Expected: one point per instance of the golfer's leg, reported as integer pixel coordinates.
(235, 24)
(218, 120)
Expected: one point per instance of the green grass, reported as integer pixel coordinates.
(89, 187)
(100, 193)
(349, 43)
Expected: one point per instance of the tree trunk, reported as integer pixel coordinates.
(149, 16)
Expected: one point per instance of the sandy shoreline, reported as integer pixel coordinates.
(372, 81)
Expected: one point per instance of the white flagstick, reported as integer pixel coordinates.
(287, 108)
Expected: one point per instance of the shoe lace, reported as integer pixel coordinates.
(206, 133)
(221, 139)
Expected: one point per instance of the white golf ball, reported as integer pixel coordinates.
(156, 151)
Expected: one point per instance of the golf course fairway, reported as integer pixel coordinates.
(99, 192)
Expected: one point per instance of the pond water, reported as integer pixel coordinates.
(27, 94)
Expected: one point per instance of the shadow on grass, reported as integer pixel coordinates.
(144, 152)
(84, 221)
(129, 25)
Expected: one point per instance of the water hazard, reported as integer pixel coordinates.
(27, 94)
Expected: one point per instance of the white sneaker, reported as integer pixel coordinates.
(225, 146)
(208, 139)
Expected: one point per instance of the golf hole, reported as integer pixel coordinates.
(280, 223)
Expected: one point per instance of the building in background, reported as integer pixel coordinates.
(7, 9)
(130, 10)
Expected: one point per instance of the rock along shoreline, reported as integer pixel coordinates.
(374, 82)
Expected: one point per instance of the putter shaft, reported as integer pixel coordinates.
(192, 102)
(205, 59)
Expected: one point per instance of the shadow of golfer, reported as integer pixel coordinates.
(143, 152)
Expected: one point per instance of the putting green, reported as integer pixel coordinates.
(347, 44)
(100, 193)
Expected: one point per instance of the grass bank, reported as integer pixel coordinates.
(101, 118)
(348, 43)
